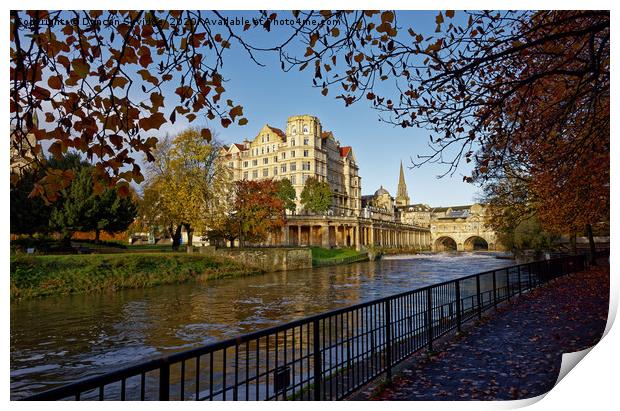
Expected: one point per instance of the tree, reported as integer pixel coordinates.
(185, 183)
(111, 213)
(286, 193)
(258, 210)
(527, 235)
(316, 196)
(81, 209)
(74, 212)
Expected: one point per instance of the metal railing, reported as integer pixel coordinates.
(322, 357)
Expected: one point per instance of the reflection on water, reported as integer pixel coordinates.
(57, 340)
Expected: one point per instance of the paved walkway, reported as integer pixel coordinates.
(514, 353)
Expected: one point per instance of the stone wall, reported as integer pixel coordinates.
(268, 259)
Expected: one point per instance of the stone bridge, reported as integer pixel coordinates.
(462, 229)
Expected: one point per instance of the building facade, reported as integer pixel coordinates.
(300, 151)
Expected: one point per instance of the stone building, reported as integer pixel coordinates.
(302, 150)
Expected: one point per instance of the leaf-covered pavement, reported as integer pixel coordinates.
(514, 353)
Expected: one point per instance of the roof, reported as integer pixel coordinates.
(454, 208)
(326, 134)
(277, 131)
(381, 191)
(344, 151)
(240, 146)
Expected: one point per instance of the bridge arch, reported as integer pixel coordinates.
(476, 243)
(445, 243)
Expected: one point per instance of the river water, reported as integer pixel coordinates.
(57, 340)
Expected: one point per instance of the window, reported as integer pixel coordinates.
(262, 139)
(294, 130)
(293, 180)
(266, 160)
(245, 175)
(268, 138)
(304, 177)
(275, 171)
(292, 142)
(245, 164)
(305, 166)
(255, 174)
(265, 172)
(306, 130)
(292, 153)
(293, 166)
(254, 162)
(306, 152)
(267, 149)
(306, 141)
(283, 168)
(262, 150)
(230, 164)
(283, 156)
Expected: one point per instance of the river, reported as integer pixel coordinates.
(57, 340)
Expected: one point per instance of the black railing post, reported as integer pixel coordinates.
(164, 382)
(388, 340)
(457, 291)
(317, 361)
(478, 296)
(429, 318)
(529, 269)
(508, 283)
(494, 291)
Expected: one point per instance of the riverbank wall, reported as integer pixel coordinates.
(266, 259)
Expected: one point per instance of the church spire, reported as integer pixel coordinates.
(402, 197)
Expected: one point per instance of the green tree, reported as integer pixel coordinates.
(316, 196)
(74, 210)
(527, 235)
(111, 212)
(80, 208)
(286, 193)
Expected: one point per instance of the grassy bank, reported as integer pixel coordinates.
(35, 276)
(334, 256)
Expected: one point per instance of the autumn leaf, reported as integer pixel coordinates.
(80, 67)
(206, 134)
(153, 122)
(55, 82)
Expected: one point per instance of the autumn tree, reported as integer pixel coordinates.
(185, 181)
(258, 210)
(316, 196)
